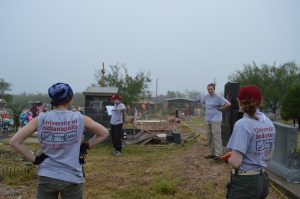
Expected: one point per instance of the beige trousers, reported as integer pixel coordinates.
(214, 138)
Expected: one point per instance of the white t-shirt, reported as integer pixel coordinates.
(117, 114)
(254, 139)
(212, 105)
(60, 133)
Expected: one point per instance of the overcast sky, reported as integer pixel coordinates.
(185, 43)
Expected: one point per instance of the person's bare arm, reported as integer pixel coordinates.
(17, 141)
(121, 108)
(101, 133)
(236, 159)
(225, 106)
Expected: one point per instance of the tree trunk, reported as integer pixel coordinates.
(273, 107)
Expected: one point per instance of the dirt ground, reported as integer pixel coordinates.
(202, 178)
(7, 192)
(200, 171)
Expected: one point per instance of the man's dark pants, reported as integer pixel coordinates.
(116, 132)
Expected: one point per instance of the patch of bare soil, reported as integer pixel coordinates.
(206, 178)
(7, 192)
(201, 176)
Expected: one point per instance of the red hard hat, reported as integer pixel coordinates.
(116, 97)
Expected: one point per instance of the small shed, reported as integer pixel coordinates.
(96, 100)
(182, 104)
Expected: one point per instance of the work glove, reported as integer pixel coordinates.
(39, 158)
(83, 151)
(226, 156)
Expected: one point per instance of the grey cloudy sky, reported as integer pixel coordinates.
(185, 43)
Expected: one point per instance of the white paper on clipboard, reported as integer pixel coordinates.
(109, 109)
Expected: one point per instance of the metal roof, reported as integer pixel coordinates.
(178, 99)
(103, 91)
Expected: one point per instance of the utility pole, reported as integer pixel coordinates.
(102, 75)
(156, 85)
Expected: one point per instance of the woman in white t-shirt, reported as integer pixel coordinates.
(60, 133)
(251, 145)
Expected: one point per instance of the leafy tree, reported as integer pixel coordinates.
(180, 94)
(4, 87)
(175, 94)
(131, 88)
(171, 94)
(273, 81)
(193, 94)
(291, 105)
(23, 99)
(78, 99)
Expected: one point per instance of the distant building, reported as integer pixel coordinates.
(181, 104)
(96, 100)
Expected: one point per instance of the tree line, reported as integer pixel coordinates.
(132, 88)
(280, 86)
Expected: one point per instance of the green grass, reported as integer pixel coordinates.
(166, 187)
(5, 142)
(134, 193)
(14, 170)
(195, 121)
(143, 172)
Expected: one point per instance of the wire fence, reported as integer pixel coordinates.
(7, 155)
(13, 165)
(16, 170)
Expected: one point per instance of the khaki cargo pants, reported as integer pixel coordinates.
(214, 138)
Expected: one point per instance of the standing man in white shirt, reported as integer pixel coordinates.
(116, 122)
